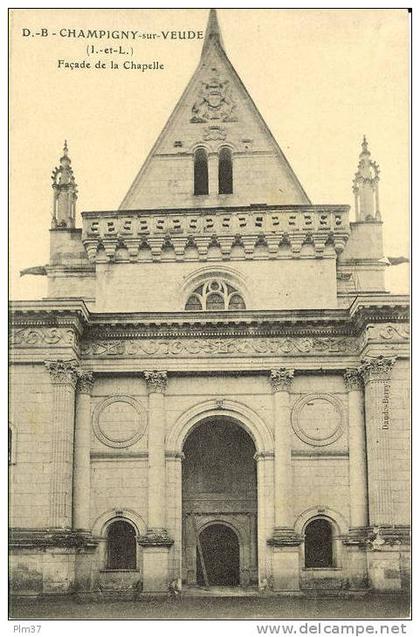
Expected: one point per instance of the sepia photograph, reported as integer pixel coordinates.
(209, 318)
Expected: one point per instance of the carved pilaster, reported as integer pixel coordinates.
(357, 449)
(376, 373)
(81, 474)
(157, 381)
(156, 387)
(281, 379)
(63, 376)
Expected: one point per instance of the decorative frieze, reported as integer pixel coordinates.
(207, 347)
(156, 381)
(63, 371)
(281, 379)
(40, 337)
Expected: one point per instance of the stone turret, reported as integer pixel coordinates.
(365, 187)
(65, 193)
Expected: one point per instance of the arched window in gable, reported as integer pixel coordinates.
(225, 171)
(121, 546)
(201, 172)
(215, 295)
(319, 544)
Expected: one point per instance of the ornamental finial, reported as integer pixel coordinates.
(365, 186)
(65, 192)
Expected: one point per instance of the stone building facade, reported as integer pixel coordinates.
(217, 387)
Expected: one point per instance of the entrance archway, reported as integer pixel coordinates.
(219, 504)
(219, 549)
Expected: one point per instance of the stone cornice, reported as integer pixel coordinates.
(62, 323)
(45, 538)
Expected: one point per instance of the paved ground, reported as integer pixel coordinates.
(258, 607)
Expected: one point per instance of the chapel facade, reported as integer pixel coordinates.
(217, 387)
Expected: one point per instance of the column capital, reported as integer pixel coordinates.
(281, 379)
(63, 372)
(377, 369)
(353, 379)
(85, 382)
(156, 381)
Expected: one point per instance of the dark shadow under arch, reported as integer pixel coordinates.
(220, 551)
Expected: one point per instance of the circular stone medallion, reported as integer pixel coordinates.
(119, 421)
(318, 419)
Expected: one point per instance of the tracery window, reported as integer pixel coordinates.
(225, 172)
(121, 545)
(215, 295)
(319, 544)
(201, 172)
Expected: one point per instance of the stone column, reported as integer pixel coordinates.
(357, 450)
(156, 542)
(376, 373)
(63, 376)
(81, 475)
(285, 542)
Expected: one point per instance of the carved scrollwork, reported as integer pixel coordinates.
(42, 336)
(197, 347)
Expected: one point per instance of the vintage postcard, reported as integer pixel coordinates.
(209, 322)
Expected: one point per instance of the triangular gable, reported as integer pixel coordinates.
(215, 110)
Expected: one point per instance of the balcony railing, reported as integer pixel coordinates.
(178, 232)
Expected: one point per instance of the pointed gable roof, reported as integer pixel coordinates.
(215, 109)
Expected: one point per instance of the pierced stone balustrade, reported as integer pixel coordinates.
(251, 233)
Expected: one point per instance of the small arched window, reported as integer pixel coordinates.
(201, 172)
(122, 547)
(319, 544)
(225, 172)
(215, 295)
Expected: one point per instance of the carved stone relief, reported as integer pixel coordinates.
(119, 421)
(219, 347)
(317, 419)
(214, 100)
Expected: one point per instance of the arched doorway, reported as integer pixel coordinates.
(219, 504)
(219, 549)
